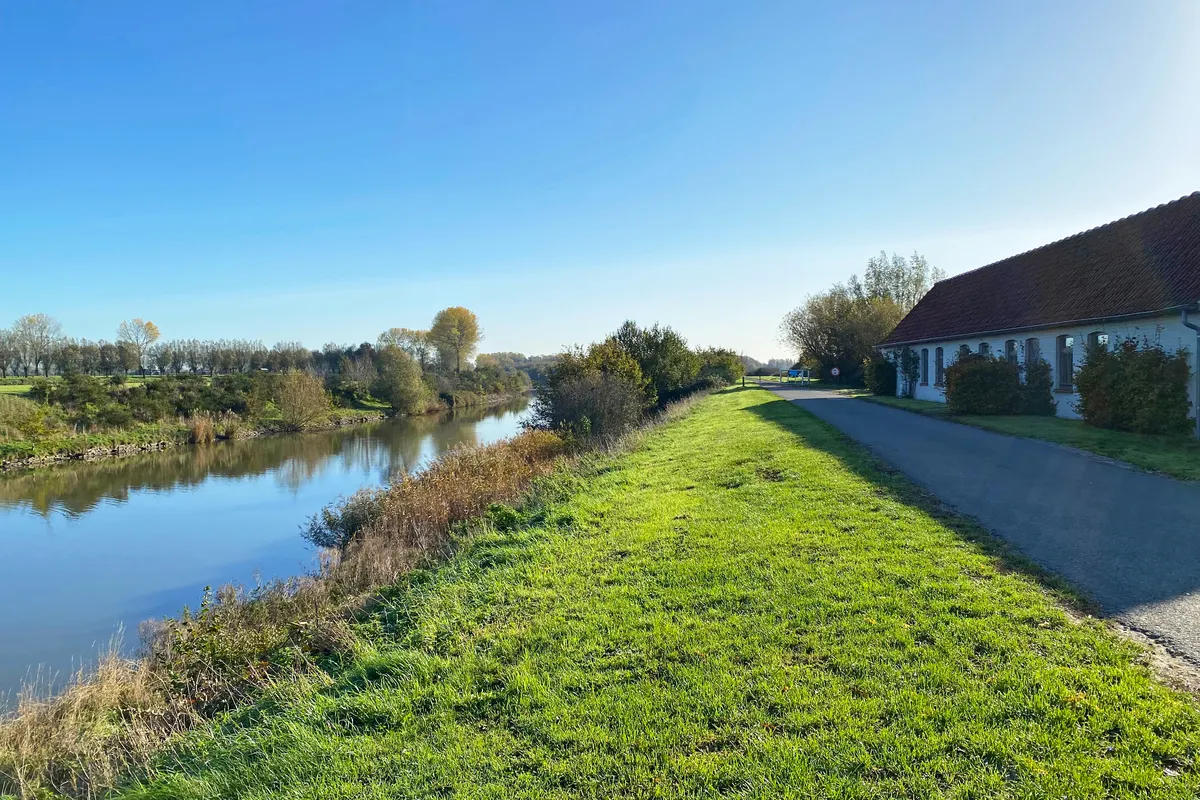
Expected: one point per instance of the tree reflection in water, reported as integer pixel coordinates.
(387, 449)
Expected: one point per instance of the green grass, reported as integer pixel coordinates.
(744, 606)
(15, 388)
(1178, 457)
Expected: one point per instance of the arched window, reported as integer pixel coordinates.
(1010, 351)
(939, 368)
(925, 366)
(1065, 348)
(1033, 351)
(964, 350)
(1097, 338)
(984, 348)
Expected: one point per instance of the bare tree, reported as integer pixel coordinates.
(34, 337)
(138, 334)
(8, 352)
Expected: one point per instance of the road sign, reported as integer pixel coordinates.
(835, 372)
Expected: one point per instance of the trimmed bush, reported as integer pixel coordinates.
(1037, 393)
(979, 384)
(880, 375)
(1134, 388)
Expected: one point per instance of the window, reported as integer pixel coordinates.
(939, 370)
(984, 348)
(1097, 338)
(925, 366)
(1033, 351)
(1010, 351)
(1066, 363)
(964, 350)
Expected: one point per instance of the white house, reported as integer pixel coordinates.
(1136, 277)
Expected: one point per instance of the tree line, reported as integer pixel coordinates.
(841, 326)
(35, 345)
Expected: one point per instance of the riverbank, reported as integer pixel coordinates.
(153, 437)
(739, 601)
(149, 438)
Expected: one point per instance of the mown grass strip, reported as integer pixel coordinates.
(746, 605)
(1177, 456)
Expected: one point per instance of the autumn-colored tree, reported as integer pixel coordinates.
(455, 334)
(138, 334)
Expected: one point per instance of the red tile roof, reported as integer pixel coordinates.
(1141, 264)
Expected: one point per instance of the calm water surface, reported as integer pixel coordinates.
(85, 548)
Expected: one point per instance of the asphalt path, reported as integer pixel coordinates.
(1128, 539)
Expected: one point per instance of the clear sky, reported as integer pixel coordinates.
(323, 171)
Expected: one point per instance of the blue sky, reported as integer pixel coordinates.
(323, 171)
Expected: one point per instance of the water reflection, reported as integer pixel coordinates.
(88, 546)
(385, 449)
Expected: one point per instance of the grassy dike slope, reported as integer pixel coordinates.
(746, 606)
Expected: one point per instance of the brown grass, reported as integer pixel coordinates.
(242, 642)
(78, 743)
(201, 429)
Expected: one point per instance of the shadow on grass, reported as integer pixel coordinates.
(816, 433)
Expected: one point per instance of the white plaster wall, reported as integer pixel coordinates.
(1169, 331)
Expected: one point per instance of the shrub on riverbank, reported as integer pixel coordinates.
(302, 400)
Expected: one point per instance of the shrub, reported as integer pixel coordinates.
(594, 394)
(399, 383)
(1130, 388)
(201, 429)
(231, 426)
(302, 400)
(596, 405)
(1037, 392)
(979, 384)
(723, 364)
(880, 375)
(335, 526)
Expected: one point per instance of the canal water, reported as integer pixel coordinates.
(89, 548)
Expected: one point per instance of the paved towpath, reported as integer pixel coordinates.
(1129, 539)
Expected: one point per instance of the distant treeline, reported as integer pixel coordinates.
(35, 345)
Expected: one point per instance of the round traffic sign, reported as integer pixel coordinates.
(835, 372)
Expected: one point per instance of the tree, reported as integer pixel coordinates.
(34, 337)
(455, 334)
(110, 358)
(664, 358)
(8, 352)
(903, 281)
(839, 328)
(415, 343)
(127, 358)
(138, 334)
(302, 400)
(399, 382)
(724, 365)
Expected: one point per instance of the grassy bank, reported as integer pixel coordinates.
(744, 605)
(1178, 457)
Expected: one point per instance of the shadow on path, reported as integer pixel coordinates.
(1128, 540)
